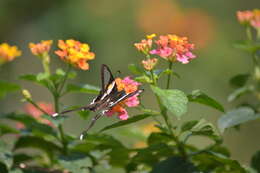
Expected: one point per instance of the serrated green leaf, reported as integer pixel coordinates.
(21, 158)
(156, 138)
(5, 129)
(31, 124)
(7, 87)
(89, 89)
(174, 100)
(37, 143)
(76, 163)
(188, 125)
(174, 164)
(135, 69)
(236, 117)
(143, 79)
(255, 161)
(239, 92)
(5, 155)
(200, 97)
(126, 122)
(84, 114)
(239, 80)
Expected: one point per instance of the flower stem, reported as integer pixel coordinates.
(56, 96)
(46, 63)
(38, 107)
(169, 76)
(248, 33)
(64, 79)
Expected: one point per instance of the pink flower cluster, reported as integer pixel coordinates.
(250, 17)
(170, 47)
(129, 86)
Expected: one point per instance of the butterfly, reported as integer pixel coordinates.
(108, 97)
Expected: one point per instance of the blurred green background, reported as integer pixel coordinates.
(111, 27)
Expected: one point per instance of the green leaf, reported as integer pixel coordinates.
(5, 155)
(56, 121)
(188, 125)
(76, 163)
(156, 138)
(3, 168)
(239, 92)
(37, 143)
(42, 76)
(135, 69)
(199, 97)
(16, 171)
(21, 158)
(89, 89)
(84, 114)
(204, 128)
(255, 161)
(5, 129)
(247, 45)
(38, 79)
(174, 164)
(126, 122)
(236, 117)
(143, 79)
(7, 87)
(31, 124)
(239, 80)
(174, 100)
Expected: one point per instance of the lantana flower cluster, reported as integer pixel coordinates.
(8, 53)
(129, 86)
(39, 49)
(251, 18)
(76, 53)
(170, 47)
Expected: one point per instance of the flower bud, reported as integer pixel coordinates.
(27, 95)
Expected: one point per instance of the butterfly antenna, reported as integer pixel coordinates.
(71, 110)
(93, 121)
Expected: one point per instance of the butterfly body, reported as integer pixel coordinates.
(108, 97)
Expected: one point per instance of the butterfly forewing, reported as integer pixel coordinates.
(107, 80)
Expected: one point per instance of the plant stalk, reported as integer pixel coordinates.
(169, 76)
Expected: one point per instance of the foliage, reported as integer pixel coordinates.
(40, 144)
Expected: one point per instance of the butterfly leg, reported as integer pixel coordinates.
(93, 121)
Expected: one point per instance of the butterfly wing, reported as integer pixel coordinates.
(107, 80)
(121, 96)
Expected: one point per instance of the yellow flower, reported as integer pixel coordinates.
(40, 48)
(8, 53)
(75, 53)
(151, 36)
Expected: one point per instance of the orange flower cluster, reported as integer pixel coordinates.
(249, 18)
(41, 48)
(75, 53)
(8, 53)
